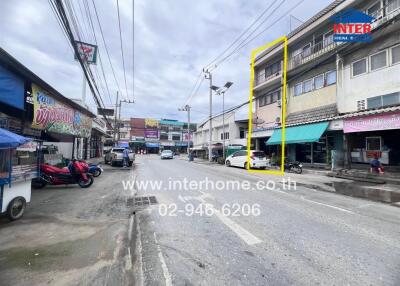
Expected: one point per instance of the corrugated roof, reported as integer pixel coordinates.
(368, 112)
(318, 114)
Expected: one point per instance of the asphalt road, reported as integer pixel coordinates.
(201, 229)
(298, 237)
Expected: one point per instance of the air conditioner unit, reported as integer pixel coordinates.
(279, 103)
(360, 105)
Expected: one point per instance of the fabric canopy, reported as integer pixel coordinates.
(299, 134)
(11, 140)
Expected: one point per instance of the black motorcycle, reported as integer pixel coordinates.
(294, 167)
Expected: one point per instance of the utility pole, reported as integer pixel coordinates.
(115, 118)
(119, 116)
(187, 108)
(208, 75)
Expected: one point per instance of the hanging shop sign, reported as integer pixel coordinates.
(372, 122)
(87, 52)
(51, 115)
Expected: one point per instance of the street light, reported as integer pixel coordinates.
(221, 91)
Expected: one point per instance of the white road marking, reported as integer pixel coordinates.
(167, 275)
(130, 228)
(128, 260)
(326, 205)
(246, 236)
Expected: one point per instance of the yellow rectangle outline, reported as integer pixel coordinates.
(283, 116)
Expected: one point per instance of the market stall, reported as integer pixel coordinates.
(18, 166)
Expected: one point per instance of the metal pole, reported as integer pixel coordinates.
(119, 120)
(188, 140)
(83, 89)
(115, 118)
(210, 118)
(223, 124)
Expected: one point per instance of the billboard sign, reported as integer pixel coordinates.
(352, 26)
(385, 121)
(87, 52)
(151, 133)
(51, 115)
(151, 123)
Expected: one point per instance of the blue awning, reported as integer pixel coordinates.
(11, 140)
(11, 89)
(152, 145)
(299, 134)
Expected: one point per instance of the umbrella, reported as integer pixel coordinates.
(11, 140)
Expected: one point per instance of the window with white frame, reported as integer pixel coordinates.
(378, 60)
(308, 85)
(396, 54)
(328, 38)
(319, 81)
(330, 77)
(359, 67)
(298, 89)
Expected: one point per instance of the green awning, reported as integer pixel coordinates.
(299, 134)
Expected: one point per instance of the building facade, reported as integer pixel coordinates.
(342, 97)
(153, 135)
(232, 133)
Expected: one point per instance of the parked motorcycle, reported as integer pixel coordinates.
(295, 167)
(76, 173)
(94, 169)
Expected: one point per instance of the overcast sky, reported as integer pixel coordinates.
(174, 39)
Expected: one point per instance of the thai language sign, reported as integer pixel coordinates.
(150, 133)
(372, 122)
(54, 116)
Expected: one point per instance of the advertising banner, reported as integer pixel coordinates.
(372, 122)
(151, 133)
(54, 116)
(151, 123)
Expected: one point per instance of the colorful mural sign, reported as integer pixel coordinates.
(54, 116)
(372, 122)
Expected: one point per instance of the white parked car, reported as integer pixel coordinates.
(115, 156)
(258, 159)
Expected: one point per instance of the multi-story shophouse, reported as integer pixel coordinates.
(321, 86)
(229, 128)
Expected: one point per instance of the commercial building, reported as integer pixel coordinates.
(229, 127)
(341, 96)
(153, 135)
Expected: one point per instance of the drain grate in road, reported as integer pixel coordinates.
(145, 201)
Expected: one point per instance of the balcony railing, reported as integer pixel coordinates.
(312, 52)
(385, 13)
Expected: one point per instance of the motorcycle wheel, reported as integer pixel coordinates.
(97, 173)
(16, 208)
(87, 184)
(38, 183)
(296, 169)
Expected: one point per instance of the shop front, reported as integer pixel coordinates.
(308, 143)
(152, 147)
(374, 135)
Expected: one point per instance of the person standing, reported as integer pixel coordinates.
(125, 157)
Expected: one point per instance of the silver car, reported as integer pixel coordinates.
(167, 154)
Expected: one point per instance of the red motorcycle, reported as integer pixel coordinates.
(76, 173)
